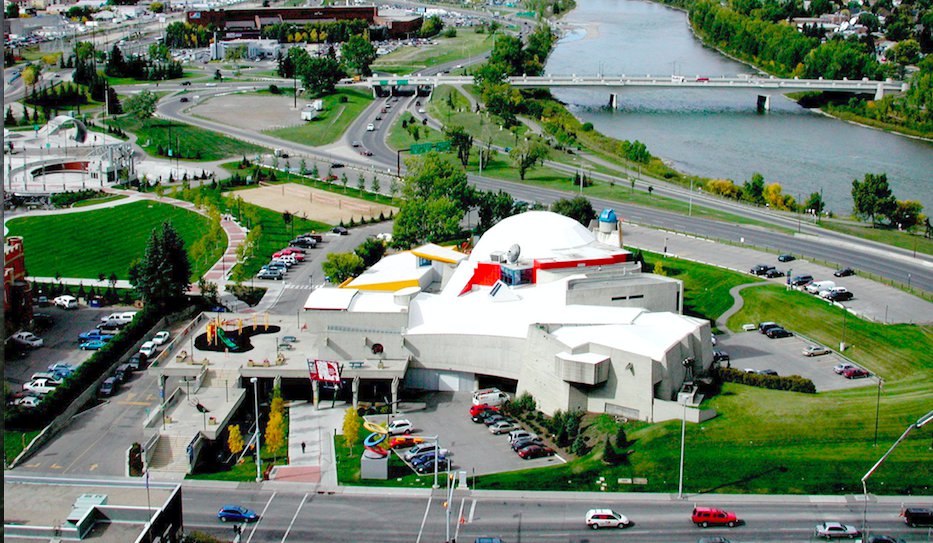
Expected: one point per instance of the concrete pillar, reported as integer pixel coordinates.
(879, 91)
(316, 393)
(394, 395)
(613, 101)
(356, 392)
(764, 103)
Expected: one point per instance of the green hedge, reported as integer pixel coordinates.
(55, 402)
(794, 383)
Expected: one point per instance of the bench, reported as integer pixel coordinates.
(356, 364)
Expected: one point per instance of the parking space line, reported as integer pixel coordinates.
(261, 516)
(290, 524)
(424, 519)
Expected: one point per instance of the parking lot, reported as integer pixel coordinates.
(61, 342)
(756, 351)
(472, 447)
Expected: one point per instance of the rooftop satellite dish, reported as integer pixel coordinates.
(514, 251)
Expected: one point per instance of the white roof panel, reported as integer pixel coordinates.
(334, 299)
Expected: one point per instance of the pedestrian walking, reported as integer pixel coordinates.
(302, 447)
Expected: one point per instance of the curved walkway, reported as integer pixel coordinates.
(738, 302)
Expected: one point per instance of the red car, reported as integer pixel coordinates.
(403, 442)
(477, 409)
(299, 255)
(855, 373)
(535, 451)
(708, 516)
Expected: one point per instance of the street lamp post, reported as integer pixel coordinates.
(683, 435)
(256, 406)
(921, 422)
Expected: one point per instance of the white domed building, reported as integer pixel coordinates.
(541, 305)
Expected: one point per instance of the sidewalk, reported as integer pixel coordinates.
(315, 428)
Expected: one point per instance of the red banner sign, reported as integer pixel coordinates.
(324, 370)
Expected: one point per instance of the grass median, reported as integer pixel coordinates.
(331, 123)
(102, 241)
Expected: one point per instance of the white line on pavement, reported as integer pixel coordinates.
(459, 519)
(424, 518)
(261, 516)
(300, 505)
(472, 510)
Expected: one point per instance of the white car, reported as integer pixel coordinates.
(606, 518)
(28, 339)
(835, 530)
(40, 386)
(148, 348)
(27, 401)
(400, 426)
(66, 302)
(519, 434)
(161, 337)
(370, 127)
(842, 367)
(52, 378)
(815, 350)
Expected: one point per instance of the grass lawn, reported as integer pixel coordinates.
(893, 237)
(768, 441)
(115, 81)
(401, 138)
(400, 475)
(190, 139)
(408, 59)
(101, 200)
(245, 472)
(103, 240)
(331, 123)
(14, 442)
(706, 288)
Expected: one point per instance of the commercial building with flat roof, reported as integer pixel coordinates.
(249, 22)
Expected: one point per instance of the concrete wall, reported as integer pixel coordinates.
(667, 410)
(350, 336)
(652, 292)
(488, 355)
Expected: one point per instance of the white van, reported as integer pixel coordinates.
(817, 286)
(66, 302)
(491, 397)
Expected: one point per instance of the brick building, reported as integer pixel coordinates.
(17, 294)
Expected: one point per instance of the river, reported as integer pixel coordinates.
(718, 133)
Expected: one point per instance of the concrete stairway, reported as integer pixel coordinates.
(170, 455)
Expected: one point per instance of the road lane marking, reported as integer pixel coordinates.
(55, 466)
(36, 465)
(261, 516)
(300, 505)
(472, 510)
(92, 468)
(424, 519)
(459, 519)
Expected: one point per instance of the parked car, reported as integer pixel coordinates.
(123, 372)
(161, 337)
(714, 539)
(840, 296)
(760, 269)
(836, 530)
(492, 396)
(493, 419)
(428, 465)
(27, 401)
(830, 292)
(272, 274)
(428, 456)
(61, 369)
(92, 345)
(709, 516)
(523, 442)
(47, 375)
(307, 243)
(404, 442)
(400, 426)
(855, 373)
(43, 320)
(843, 366)
(66, 302)
(502, 427)
(801, 280)
(606, 518)
(91, 335)
(340, 230)
(148, 349)
(844, 272)
(477, 409)
(918, 516)
(137, 361)
(763, 327)
(485, 414)
(236, 513)
(767, 372)
(421, 448)
(884, 539)
(786, 258)
(774, 272)
(535, 451)
(519, 433)
(28, 339)
(815, 350)
(777, 332)
(720, 356)
(41, 386)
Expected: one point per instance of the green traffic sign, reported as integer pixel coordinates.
(402, 82)
(383, 82)
(442, 146)
(420, 148)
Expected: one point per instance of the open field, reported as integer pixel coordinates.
(330, 124)
(186, 139)
(320, 205)
(102, 241)
(407, 59)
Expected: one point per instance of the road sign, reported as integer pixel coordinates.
(401, 82)
(383, 82)
(420, 148)
(442, 146)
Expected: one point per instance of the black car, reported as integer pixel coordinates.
(786, 258)
(760, 269)
(184, 99)
(774, 272)
(777, 332)
(42, 320)
(763, 327)
(337, 165)
(884, 539)
(720, 356)
(428, 466)
(800, 280)
(844, 272)
(840, 296)
(340, 230)
(767, 372)
(307, 243)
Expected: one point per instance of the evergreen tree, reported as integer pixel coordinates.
(162, 276)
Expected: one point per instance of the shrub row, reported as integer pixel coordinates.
(55, 402)
(794, 383)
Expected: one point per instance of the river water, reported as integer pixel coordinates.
(718, 133)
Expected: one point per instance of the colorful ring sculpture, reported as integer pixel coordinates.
(373, 441)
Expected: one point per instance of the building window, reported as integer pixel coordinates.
(515, 276)
(422, 262)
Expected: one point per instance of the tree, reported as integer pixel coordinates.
(235, 440)
(162, 276)
(142, 105)
(422, 220)
(31, 75)
(208, 289)
(815, 203)
(493, 207)
(872, 197)
(528, 153)
(579, 209)
(774, 196)
(12, 11)
(275, 433)
(753, 190)
(339, 267)
(907, 214)
(431, 26)
(157, 7)
(351, 428)
(460, 140)
(319, 74)
(904, 52)
(358, 53)
(370, 251)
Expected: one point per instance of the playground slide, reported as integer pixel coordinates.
(226, 341)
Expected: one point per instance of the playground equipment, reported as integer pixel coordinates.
(215, 332)
(373, 441)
